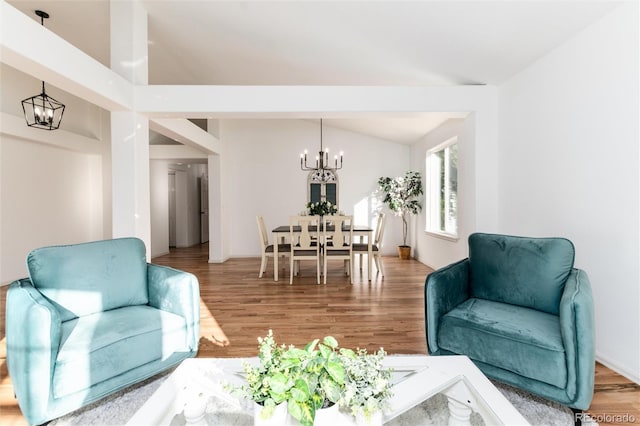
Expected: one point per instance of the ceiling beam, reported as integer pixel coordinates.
(60, 64)
(175, 152)
(185, 132)
(305, 101)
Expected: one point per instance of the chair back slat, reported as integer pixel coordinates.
(264, 238)
(338, 232)
(338, 238)
(379, 229)
(304, 232)
(307, 237)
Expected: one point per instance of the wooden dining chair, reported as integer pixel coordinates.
(267, 248)
(304, 232)
(338, 238)
(362, 248)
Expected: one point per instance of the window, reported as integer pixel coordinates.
(442, 189)
(322, 185)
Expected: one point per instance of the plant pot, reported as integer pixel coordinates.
(404, 252)
(280, 416)
(326, 416)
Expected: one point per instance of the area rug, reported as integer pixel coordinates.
(118, 408)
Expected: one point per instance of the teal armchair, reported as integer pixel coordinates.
(523, 314)
(92, 319)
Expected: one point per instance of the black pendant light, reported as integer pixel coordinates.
(42, 111)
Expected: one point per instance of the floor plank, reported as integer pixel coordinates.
(237, 307)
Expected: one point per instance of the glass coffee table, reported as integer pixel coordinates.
(194, 394)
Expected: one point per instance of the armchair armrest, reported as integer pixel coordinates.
(444, 289)
(578, 335)
(33, 333)
(177, 292)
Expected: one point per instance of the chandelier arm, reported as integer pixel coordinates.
(322, 160)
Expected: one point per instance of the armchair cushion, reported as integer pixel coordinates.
(488, 331)
(529, 272)
(103, 345)
(83, 279)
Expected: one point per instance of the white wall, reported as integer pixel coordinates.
(569, 166)
(159, 183)
(50, 192)
(432, 250)
(220, 191)
(107, 203)
(264, 176)
(50, 196)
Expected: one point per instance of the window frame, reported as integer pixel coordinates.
(320, 179)
(432, 192)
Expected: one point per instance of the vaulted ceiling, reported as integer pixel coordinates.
(397, 43)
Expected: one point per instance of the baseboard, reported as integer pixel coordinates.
(160, 254)
(224, 259)
(421, 260)
(623, 371)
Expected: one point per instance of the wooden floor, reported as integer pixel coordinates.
(237, 307)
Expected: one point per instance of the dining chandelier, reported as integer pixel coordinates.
(322, 170)
(42, 111)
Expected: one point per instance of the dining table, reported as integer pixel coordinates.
(281, 232)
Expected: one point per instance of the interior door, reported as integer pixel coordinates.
(204, 209)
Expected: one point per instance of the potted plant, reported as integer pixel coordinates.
(367, 387)
(318, 382)
(304, 380)
(268, 383)
(321, 208)
(400, 196)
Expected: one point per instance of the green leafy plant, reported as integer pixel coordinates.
(319, 382)
(367, 387)
(401, 196)
(307, 379)
(321, 208)
(268, 383)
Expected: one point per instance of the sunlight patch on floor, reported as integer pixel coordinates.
(218, 337)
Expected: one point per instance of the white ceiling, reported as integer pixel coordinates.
(400, 43)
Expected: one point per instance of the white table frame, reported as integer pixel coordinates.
(281, 232)
(465, 386)
(415, 379)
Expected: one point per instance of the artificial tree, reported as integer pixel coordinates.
(401, 196)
